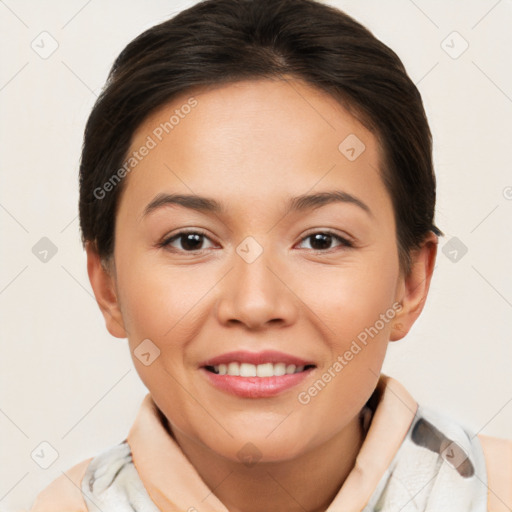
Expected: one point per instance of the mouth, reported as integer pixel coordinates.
(256, 375)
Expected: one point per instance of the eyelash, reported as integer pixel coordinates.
(166, 242)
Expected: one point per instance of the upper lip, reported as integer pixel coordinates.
(256, 358)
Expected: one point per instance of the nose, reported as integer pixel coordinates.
(257, 294)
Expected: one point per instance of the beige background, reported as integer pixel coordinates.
(66, 381)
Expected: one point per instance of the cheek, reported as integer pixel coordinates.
(354, 298)
(157, 301)
(361, 317)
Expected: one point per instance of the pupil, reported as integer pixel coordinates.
(191, 237)
(318, 237)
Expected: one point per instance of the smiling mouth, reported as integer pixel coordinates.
(236, 369)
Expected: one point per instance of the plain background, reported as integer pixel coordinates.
(66, 381)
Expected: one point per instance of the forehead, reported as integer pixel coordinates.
(254, 140)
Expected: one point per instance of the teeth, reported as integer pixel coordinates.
(260, 370)
(290, 369)
(233, 369)
(265, 370)
(247, 370)
(279, 369)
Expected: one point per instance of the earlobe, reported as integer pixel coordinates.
(414, 288)
(103, 285)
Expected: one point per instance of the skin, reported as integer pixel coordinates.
(252, 145)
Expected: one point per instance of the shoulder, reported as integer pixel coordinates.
(483, 464)
(108, 481)
(498, 460)
(64, 493)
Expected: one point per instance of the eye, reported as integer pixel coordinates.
(321, 240)
(190, 241)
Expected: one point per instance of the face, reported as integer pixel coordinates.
(243, 277)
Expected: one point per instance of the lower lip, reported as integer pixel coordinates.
(255, 387)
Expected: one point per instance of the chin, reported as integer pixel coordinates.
(251, 447)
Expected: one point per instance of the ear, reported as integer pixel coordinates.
(103, 284)
(413, 288)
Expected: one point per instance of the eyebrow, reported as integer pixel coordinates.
(295, 204)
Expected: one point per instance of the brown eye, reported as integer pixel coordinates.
(322, 240)
(188, 241)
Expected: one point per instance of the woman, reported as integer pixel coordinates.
(229, 142)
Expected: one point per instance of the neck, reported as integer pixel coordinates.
(279, 486)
